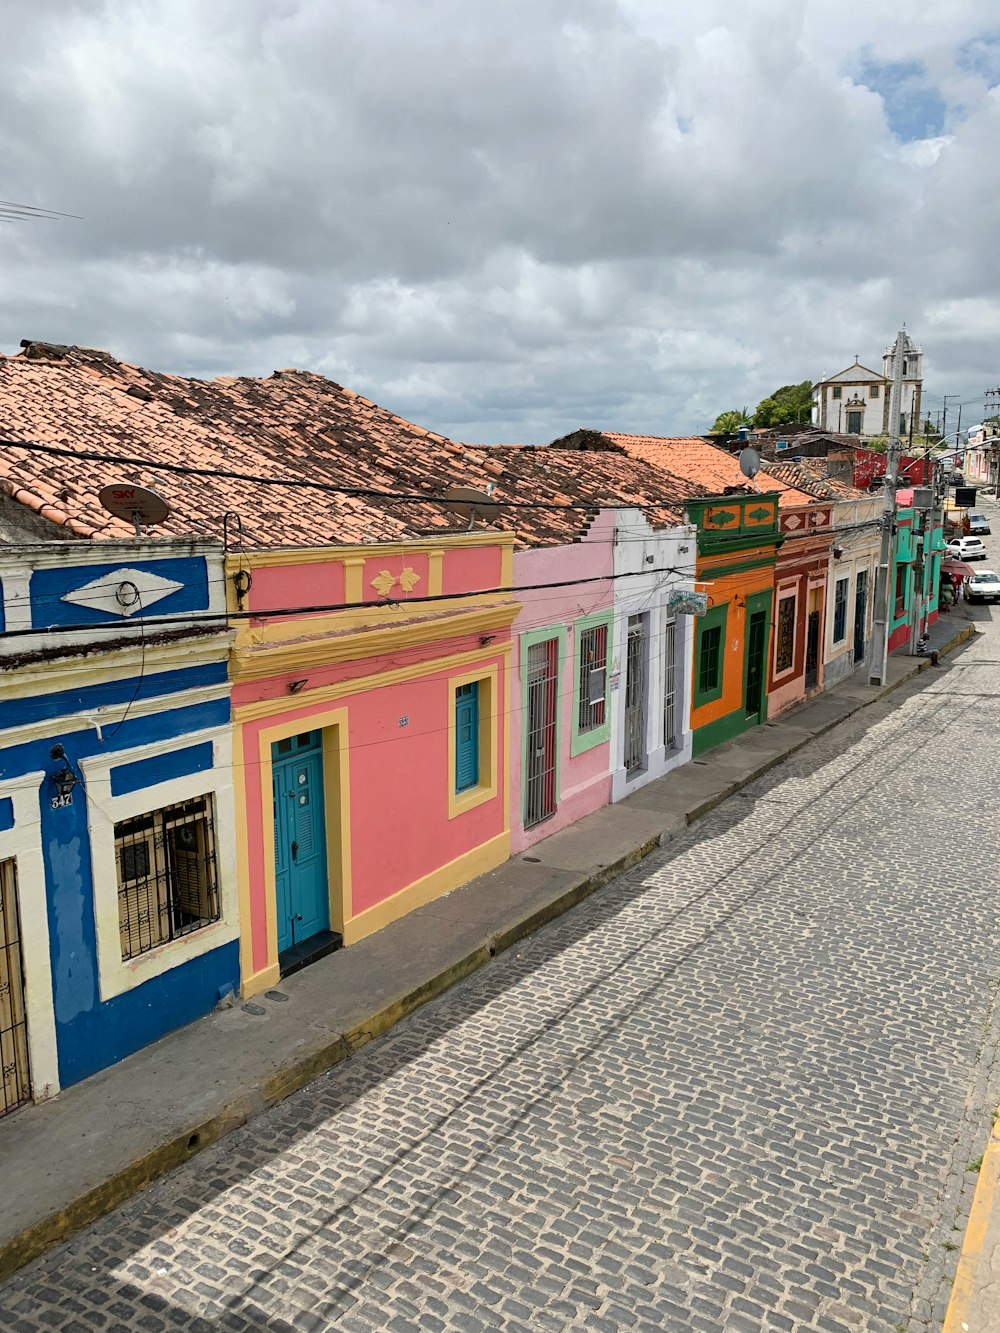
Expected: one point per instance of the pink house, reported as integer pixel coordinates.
(371, 739)
(562, 635)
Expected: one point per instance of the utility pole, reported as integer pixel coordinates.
(944, 415)
(879, 667)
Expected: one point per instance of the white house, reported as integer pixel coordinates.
(652, 665)
(855, 401)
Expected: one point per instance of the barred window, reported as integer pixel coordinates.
(592, 684)
(840, 610)
(786, 634)
(168, 881)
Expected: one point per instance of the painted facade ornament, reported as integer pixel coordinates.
(122, 592)
(384, 582)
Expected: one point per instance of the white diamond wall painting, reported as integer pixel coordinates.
(107, 595)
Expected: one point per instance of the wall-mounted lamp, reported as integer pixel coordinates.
(295, 685)
(64, 778)
(242, 583)
(739, 601)
(484, 639)
(838, 551)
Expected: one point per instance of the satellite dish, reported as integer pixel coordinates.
(467, 502)
(136, 504)
(749, 462)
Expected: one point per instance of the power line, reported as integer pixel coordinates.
(263, 613)
(362, 492)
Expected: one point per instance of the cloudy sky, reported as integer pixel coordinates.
(505, 221)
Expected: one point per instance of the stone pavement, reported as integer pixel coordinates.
(70, 1160)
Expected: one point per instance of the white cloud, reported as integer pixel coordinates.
(503, 221)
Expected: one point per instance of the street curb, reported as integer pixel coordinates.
(956, 1319)
(330, 1051)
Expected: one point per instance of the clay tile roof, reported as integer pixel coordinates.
(291, 425)
(812, 478)
(693, 459)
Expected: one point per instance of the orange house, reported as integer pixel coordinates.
(738, 541)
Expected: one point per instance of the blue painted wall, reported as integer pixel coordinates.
(91, 1034)
(49, 586)
(161, 768)
(15, 712)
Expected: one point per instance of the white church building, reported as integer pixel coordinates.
(855, 401)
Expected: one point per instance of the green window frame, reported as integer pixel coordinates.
(837, 391)
(585, 737)
(710, 657)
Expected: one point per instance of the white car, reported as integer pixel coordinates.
(983, 586)
(966, 548)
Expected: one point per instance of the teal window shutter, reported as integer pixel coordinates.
(467, 736)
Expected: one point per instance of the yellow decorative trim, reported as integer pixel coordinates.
(280, 648)
(242, 858)
(485, 790)
(313, 555)
(353, 579)
(262, 980)
(357, 685)
(333, 724)
(337, 798)
(435, 573)
(508, 671)
(384, 581)
(507, 564)
(465, 867)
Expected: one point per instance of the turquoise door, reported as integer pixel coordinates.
(303, 900)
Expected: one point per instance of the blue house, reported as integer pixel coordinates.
(118, 901)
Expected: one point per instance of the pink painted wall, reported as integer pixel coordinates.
(398, 778)
(320, 584)
(473, 569)
(584, 781)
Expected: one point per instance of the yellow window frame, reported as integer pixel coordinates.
(486, 788)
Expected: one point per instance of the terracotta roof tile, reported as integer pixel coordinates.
(688, 457)
(291, 425)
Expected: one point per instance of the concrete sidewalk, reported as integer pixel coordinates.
(69, 1160)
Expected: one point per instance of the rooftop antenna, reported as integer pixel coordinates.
(749, 462)
(467, 502)
(135, 504)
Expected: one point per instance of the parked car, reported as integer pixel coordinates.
(983, 586)
(966, 548)
(977, 524)
(956, 478)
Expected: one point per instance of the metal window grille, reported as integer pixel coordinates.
(168, 881)
(13, 1015)
(786, 634)
(540, 740)
(592, 684)
(635, 695)
(840, 610)
(708, 671)
(670, 685)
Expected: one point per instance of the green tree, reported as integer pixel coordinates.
(789, 404)
(728, 423)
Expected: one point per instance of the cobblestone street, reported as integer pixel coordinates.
(739, 1089)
